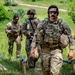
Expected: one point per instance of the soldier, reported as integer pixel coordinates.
(13, 31)
(53, 35)
(28, 29)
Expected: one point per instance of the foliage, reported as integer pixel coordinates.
(61, 1)
(71, 11)
(7, 2)
(10, 3)
(33, 0)
(21, 12)
(67, 69)
(4, 14)
(11, 11)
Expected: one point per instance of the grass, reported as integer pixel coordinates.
(12, 64)
(63, 4)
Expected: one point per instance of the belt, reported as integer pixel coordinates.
(53, 47)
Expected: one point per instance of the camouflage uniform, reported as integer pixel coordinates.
(14, 35)
(48, 36)
(29, 27)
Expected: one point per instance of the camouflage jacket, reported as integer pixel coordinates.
(52, 32)
(29, 26)
(13, 30)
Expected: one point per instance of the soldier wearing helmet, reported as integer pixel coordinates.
(50, 34)
(28, 29)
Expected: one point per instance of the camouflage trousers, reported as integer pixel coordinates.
(51, 62)
(11, 45)
(31, 63)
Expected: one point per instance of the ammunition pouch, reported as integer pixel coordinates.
(51, 39)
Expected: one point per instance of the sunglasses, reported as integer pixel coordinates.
(54, 12)
(30, 14)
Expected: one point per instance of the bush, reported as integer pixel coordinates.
(14, 4)
(21, 12)
(10, 3)
(10, 10)
(71, 11)
(4, 14)
(7, 2)
(33, 0)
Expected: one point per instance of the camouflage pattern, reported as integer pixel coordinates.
(48, 35)
(51, 33)
(31, 11)
(13, 32)
(27, 28)
(51, 61)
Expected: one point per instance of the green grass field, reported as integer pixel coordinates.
(11, 63)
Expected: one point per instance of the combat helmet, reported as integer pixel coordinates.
(31, 11)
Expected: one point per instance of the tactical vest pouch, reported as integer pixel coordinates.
(51, 39)
(48, 39)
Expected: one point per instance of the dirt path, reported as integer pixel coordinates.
(37, 6)
(40, 6)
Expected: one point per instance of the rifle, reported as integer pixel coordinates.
(14, 30)
(32, 33)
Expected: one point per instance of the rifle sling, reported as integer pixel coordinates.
(32, 26)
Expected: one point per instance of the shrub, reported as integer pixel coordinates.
(21, 12)
(33, 0)
(71, 11)
(4, 14)
(14, 4)
(7, 2)
(10, 3)
(10, 10)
